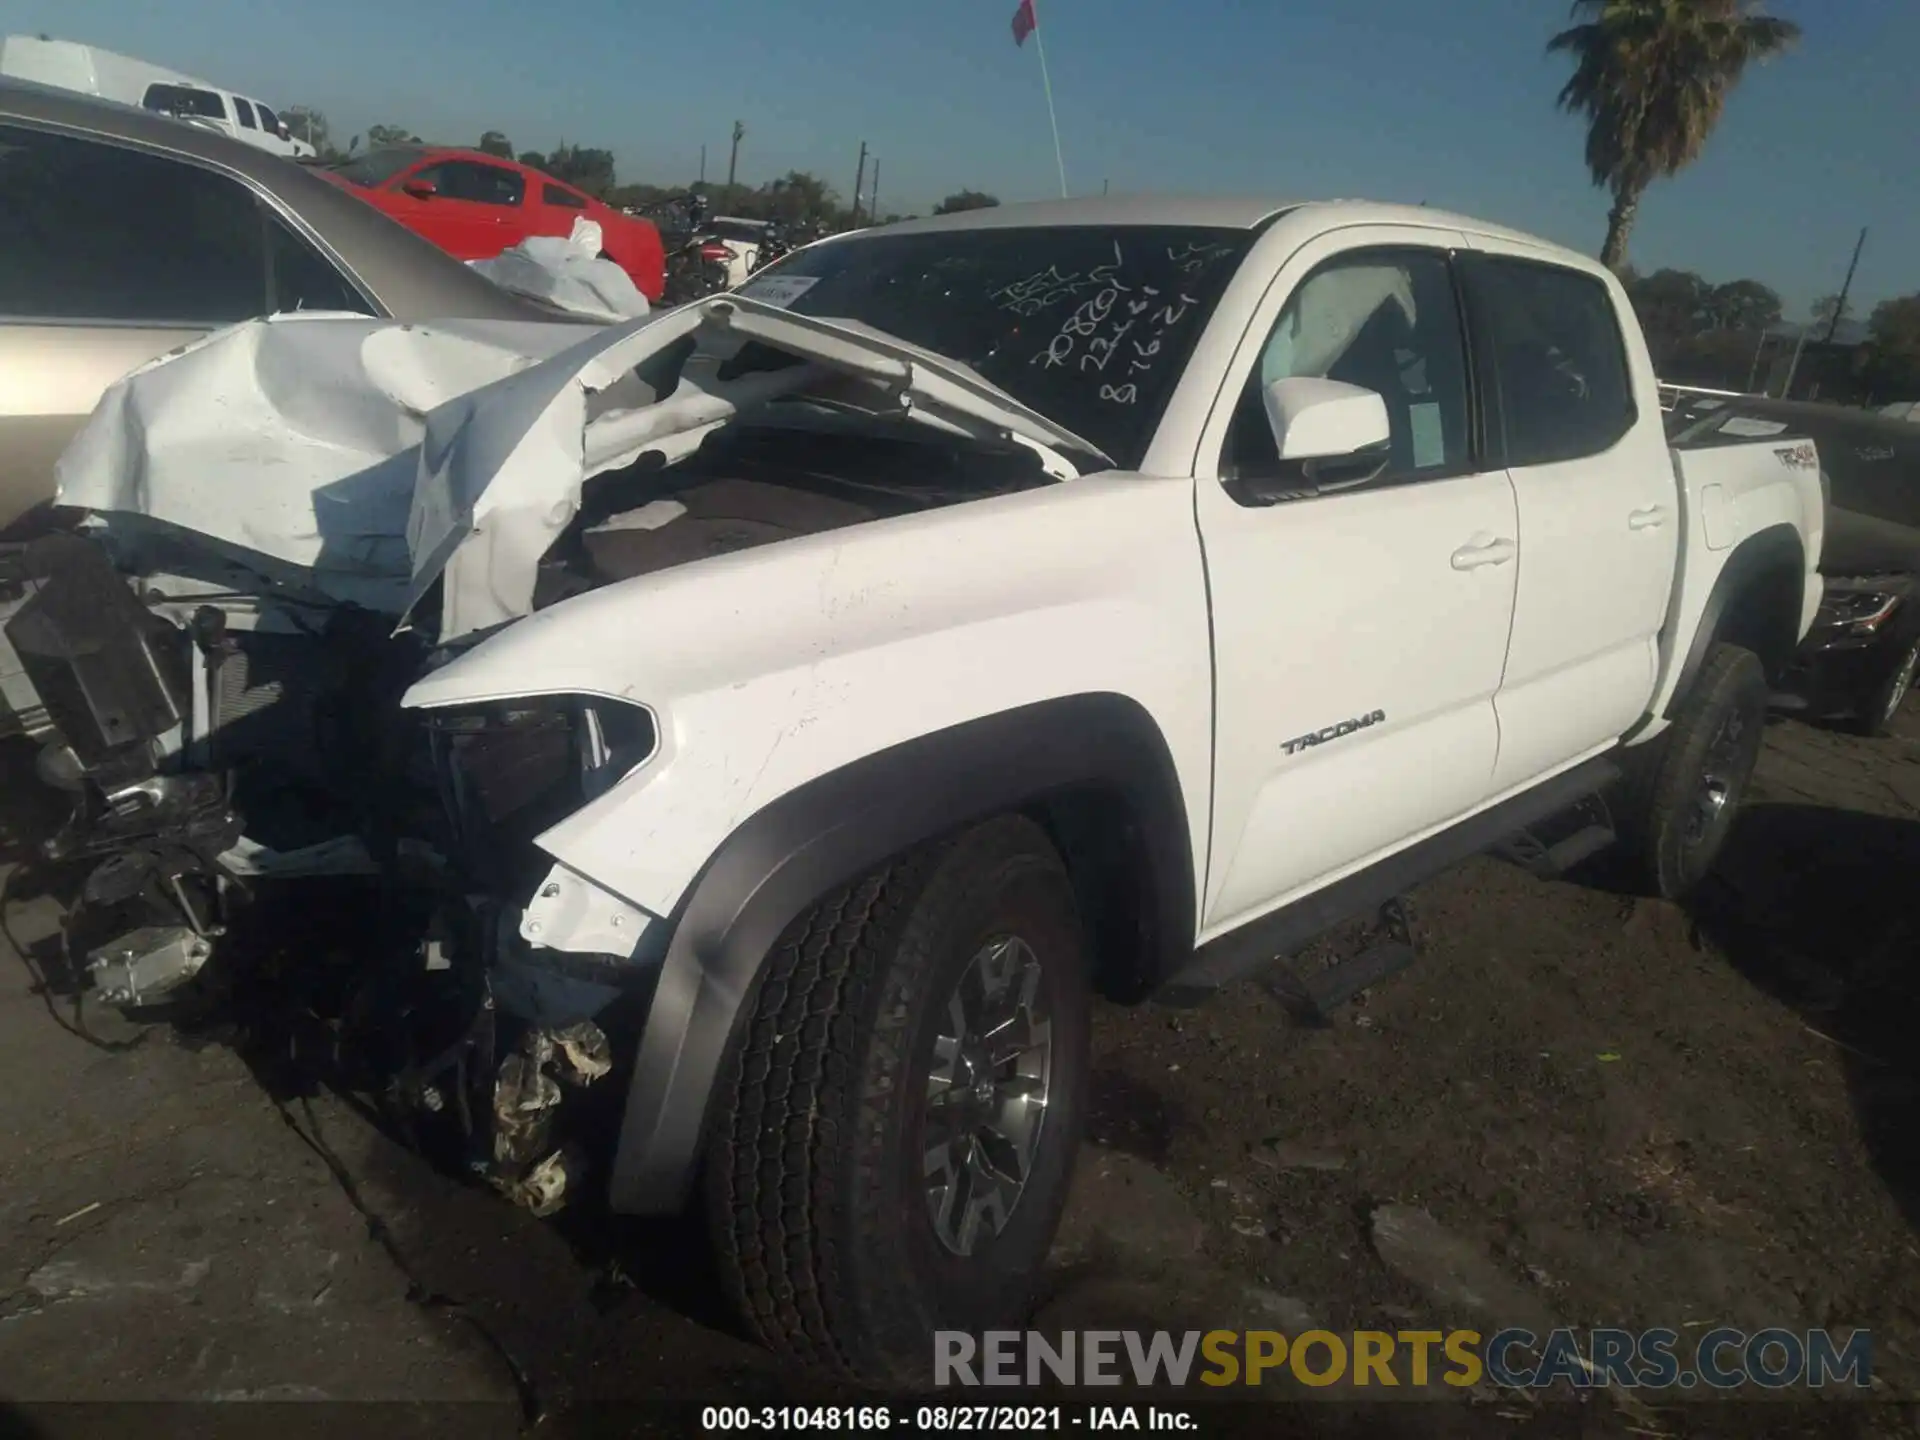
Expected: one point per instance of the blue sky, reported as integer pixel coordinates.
(1387, 99)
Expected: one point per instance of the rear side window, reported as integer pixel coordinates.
(245, 112)
(1559, 364)
(204, 253)
(554, 195)
(301, 278)
(185, 100)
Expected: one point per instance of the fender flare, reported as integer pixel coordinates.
(830, 831)
(1777, 548)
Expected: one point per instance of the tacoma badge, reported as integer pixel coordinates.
(1334, 732)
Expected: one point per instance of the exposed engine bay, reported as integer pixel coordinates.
(224, 731)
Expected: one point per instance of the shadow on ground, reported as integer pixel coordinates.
(1820, 908)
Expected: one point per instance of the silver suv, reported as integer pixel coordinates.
(125, 234)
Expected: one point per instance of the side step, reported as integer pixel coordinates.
(1253, 947)
(1311, 999)
(1552, 852)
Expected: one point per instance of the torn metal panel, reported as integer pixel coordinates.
(570, 912)
(292, 438)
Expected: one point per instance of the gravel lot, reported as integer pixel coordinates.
(1622, 1113)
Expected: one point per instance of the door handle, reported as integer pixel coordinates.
(1651, 518)
(1492, 552)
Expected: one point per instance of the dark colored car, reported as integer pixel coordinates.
(1859, 661)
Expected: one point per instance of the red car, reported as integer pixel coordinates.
(474, 205)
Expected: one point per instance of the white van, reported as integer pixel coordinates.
(93, 71)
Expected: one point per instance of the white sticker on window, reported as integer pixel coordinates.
(1752, 429)
(1429, 436)
(781, 290)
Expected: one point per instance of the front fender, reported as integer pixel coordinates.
(833, 829)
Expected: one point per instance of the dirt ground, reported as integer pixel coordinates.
(1636, 1116)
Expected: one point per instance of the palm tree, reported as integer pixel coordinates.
(1652, 77)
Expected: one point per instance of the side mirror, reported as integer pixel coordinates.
(1329, 436)
(421, 189)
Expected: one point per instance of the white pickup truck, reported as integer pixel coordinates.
(809, 697)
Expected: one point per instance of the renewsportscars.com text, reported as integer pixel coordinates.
(1716, 1359)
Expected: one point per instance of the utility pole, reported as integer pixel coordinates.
(733, 161)
(703, 165)
(873, 195)
(859, 179)
(1839, 310)
(1786, 388)
(1103, 187)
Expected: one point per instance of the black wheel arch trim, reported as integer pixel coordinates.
(1776, 549)
(838, 826)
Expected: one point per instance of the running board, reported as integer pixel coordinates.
(1312, 999)
(1256, 945)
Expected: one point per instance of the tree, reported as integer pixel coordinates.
(1742, 305)
(591, 170)
(1891, 359)
(533, 159)
(965, 200)
(380, 135)
(308, 124)
(494, 143)
(1672, 306)
(1652, 78)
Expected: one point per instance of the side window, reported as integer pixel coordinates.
(269, 121)
(301, 278)
(185, 100)
(1558, 360)
(554, 195)
(245, 112)
(481, 184)
(1386, 320)
(67, 252)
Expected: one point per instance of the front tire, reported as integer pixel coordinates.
(1682, 796)
(896, 1125)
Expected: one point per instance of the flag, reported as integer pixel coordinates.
(1023, 22)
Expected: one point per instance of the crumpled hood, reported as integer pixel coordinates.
(292, 440)
(502, 468)
(381, 457)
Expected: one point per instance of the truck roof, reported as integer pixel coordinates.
(1222, 212)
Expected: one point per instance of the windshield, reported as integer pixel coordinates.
(376, 167)
(1088, 325)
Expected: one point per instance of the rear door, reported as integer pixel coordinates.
(1581, 437)
(1359, 635)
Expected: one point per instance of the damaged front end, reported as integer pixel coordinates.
(211, 747)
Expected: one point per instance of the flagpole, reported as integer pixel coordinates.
(1046, 84)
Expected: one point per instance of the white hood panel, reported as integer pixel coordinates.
(381, 457)
(293, 438)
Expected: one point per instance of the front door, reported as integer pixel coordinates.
(1359, 636)
(1599, 510)
(474, 212)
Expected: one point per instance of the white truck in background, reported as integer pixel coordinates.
(69, 65)
(808, 697)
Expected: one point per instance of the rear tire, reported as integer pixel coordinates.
(1683, 793)
(843, 1245)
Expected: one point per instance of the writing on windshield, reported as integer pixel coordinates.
(1088, 325)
